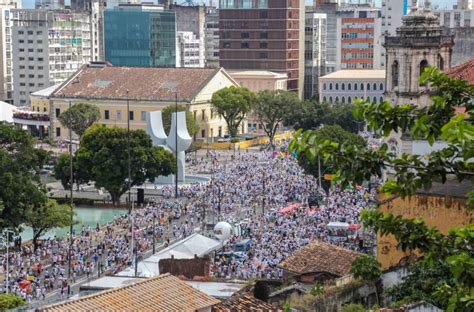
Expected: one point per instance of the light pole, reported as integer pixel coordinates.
(8, 259)
(129, 160)
(71, 203)
(263, 197)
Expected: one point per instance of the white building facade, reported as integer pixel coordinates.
(315, 53)
(392, 13)
(345, 86)
(189, 50)
(6, 62)
(48, 47)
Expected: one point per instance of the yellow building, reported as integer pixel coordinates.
(110, 88)
(443, 206)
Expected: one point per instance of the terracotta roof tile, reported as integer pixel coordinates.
(243, 303)
(320, 257)
(142, 83)
(161, 293)
(464, 71)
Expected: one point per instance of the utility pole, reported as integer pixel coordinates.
(129, 159)
(71, 203)
(219, 202)
(319, 171)
(263, 197)
(154, 237)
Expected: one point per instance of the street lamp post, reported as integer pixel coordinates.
(129, 160)
(71, 203)
(8, 259)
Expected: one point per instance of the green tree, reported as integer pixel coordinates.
(103, 158)
(45, 217)
(62, 171)
(333, 133)
(271, 108)
(10, 301)
(437, 121)
(79, 117)
(309, 114)
(233, 104)
(20, 164)
(367, 269)
(192, 125)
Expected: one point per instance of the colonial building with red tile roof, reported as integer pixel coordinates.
(319, 260)
(464, 71)
(161, 293)
(144, 89)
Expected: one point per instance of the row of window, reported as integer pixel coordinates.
(353, 86)
(343, 99)
(30, 32)
(31, 41)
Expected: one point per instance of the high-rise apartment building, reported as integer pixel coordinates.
(264, 34)
(329, 7)
(315, 53)
(460, 23)
(392, 13)
(211, 49)
(188, 50)
(191, 19)
(6, 57)
(140, 35)
(358, 44)
(48, 47)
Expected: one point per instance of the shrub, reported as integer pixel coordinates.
(10, 301)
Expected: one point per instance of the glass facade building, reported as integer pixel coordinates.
(140, 37)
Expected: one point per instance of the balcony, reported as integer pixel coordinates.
(29, 118)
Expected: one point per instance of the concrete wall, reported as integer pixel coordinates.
(186, 267)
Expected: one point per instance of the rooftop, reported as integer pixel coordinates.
(103, 81)
(464, 71)
(162, 293)
(243, 303)
(356, 74)
(46, 92)
(318, 256)
(257, 73)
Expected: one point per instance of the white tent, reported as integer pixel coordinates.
(195, 244)
(6, 112)
(338, 225)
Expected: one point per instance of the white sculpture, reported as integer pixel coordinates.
(178, 134)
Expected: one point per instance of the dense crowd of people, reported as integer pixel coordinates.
(250, 186)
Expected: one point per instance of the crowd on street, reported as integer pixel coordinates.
(252, 186)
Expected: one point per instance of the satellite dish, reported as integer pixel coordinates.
(223, 231)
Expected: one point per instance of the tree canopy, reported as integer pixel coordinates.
(103, 158)
(438, 121)
(192, 125)
(79, 117)
(272, 107)
(233, 104)
(309, 114)
(20, 164)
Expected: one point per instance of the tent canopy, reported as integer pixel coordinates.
(338, 225)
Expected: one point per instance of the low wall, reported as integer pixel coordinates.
(248, 143)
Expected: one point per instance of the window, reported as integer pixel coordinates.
(362, 86)
(368, 87)
(130, 115)
(349, 100)
(343, 100)
(57, 112)
(395, 74)
(106, 115)
(226, 45)
(355, 86)
(244, 35)
(244, 45)
(324, 86)
(263, 55)
(337, 99)
(195, 115)
(343, 87)
(58, 132)
(440, 62)
(264, 35)
(203, 113)
(203, 133)
(381, 87)
(263, 14)
(423, 65)
(381, 99)
(330, 86)
(374, 86)
(263, 45)
(324, 99)
(349, 86)
(143, 116)
(337, 86)
(374, 100)
(330, 99)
